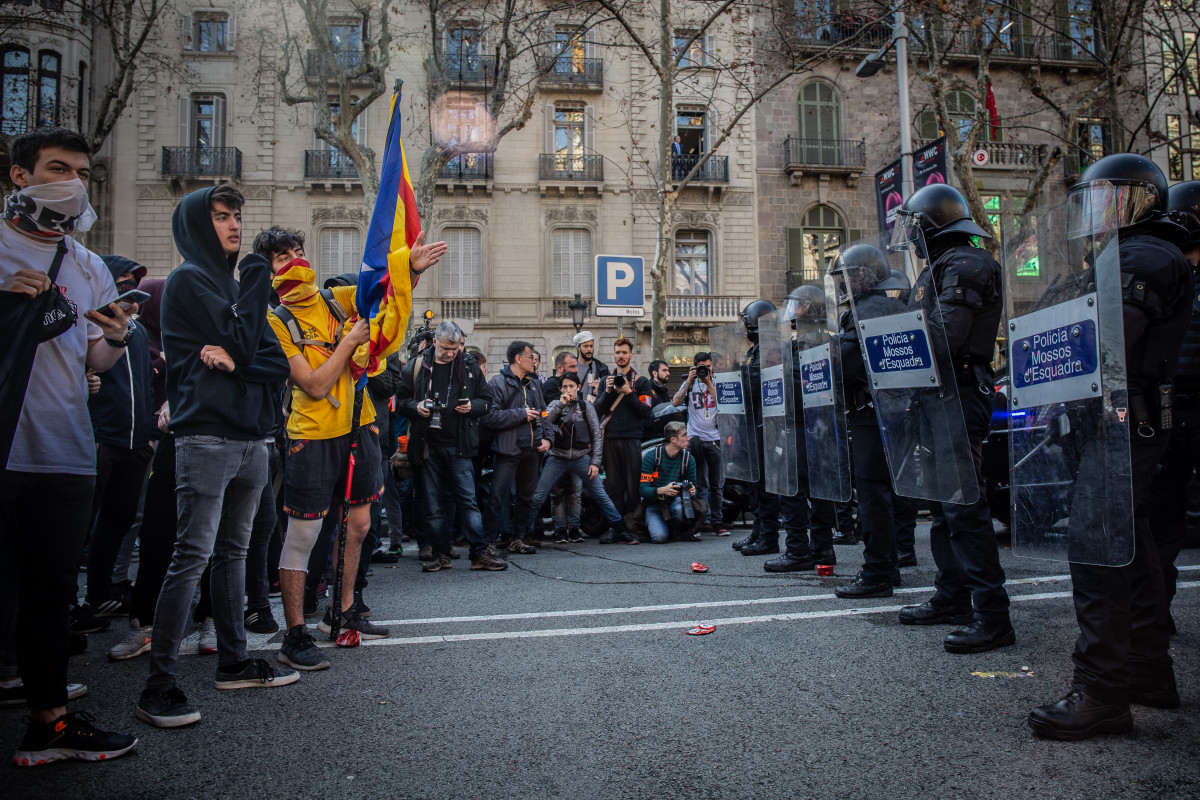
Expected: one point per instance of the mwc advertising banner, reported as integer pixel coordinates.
(929, 166)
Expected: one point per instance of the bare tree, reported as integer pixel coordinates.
(337, 64)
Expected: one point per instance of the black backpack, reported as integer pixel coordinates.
(293, 328)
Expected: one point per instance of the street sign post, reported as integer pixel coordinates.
(619, 286)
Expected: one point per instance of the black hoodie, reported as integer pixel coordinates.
(123, 410)
(204, 305)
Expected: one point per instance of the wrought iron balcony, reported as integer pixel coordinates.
(714, 170)
(825, 153)
(469, 69)
(569, 72)
(460, 309)
(570, 167)
(1065, 45)
(468, 167)
(342, 61)
(703, 308)
(329, 165)
(186, 162)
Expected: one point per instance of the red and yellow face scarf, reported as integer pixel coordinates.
(296, 283)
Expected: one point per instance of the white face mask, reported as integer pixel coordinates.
(60, 207)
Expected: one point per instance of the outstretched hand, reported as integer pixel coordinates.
(422, 256)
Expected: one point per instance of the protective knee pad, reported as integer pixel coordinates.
(301, 535)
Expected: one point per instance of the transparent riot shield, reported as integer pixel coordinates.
(818, 360)
(780, 467)
(735, 416)
(1068, 421)
(913, 389)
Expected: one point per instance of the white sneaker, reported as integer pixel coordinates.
(208, 637)
(137, 643)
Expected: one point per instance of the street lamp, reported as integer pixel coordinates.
(870, 66)
(578, 308)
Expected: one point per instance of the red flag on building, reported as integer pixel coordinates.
(993, 115)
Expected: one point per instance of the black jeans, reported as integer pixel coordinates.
(622, 463)
(710, 483)
(120, 473)
(1169, 492)
(448, 484)
(904, 513)
(519, 473)
(265, 521)
(962, 538)
(873, 481)
(157, 536)
(43, 524)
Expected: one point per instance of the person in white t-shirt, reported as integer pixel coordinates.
(705, 441)
(48, 480)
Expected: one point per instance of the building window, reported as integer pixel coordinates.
(208, 32)
(571, 253)
(346, 36)
(1174, 148)
(462, 266)
(340, 250)
(1170, 65)
(464, 49)
(693, 265)
(206, 128)
(338, 159)
(569, 137)
(14, 91)
(960, 106)
(691, 52)
(820, 116)
(1092, 140)
(81, 97)
(49, 82)
(1081, 27)
(691, 125)
(571, 49)
(813, 247)
(1191, 65)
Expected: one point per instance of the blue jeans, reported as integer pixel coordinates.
(566, 503)
(655, 522)
(448, 483)
(557, 467)
(217, 480)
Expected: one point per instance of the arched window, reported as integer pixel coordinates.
(693, 263)
(812, 247)
(820, 115)
(14, 91)
(49, 80)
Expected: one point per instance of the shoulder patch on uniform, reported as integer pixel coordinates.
(920, 293)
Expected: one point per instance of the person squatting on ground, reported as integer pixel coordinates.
(666, 471)
(49, 477)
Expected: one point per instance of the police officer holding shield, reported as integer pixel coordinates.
(764, 535)
(1121, 653)
(960, 292)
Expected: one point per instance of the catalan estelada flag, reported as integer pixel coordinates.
(385, 283)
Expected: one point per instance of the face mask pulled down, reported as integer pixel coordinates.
(51, 209)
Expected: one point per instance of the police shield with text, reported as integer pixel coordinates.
(778, 405)
(958, 294)
(854, 277)
(1121, 655)
(739, 440)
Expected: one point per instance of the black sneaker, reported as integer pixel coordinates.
(117, 607)
(352, 621)
(261, 620)
(166, 708)
(70, 736)
(384, 557)
(574, 535)
(300, 650)
(84, 620)
(256, 674)
(362, 608)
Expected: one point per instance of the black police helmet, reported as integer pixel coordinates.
(895, 281)
(1130, 168)
(806, 303)
(751, 313)
(941, 209)
(865, 257)
(1183, 207)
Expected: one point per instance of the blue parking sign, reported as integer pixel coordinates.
(619, 285)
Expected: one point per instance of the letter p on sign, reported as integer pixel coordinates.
(620, 276)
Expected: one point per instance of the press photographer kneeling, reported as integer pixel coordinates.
(668, 486)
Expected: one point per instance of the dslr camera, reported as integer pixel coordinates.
(436, 406)
(702, 372)
(685, 492)
(618, 381)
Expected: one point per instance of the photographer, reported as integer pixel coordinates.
(668, 481)
(623, 419)
(576, 449)
(705, 440)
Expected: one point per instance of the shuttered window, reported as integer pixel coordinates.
(572, 257)
(462, 266)
(340, 251)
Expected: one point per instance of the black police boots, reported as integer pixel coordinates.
(860, 588)
(929, 614)
(846, 537)
(767, 543)
(825, 557)
(981, 636)
(790, 562)
(1080, 716)
(745, 542)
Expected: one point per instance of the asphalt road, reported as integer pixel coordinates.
(570, 676)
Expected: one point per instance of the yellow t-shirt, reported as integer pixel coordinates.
(319, 419)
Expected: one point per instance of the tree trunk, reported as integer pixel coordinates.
(665, 207)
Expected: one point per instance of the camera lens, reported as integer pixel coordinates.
(702, 371)
(618, 381)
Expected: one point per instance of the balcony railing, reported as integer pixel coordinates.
(572, 72)
(184, 162)
(825, 152)
(460, 309)
(570, 167)
(704, 308)
(714, 170)
(469, 69)
(342, 61)
(468, 167)
(562, 307)
(329, 165)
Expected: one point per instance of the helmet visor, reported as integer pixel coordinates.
(907, 234)
(1099, 207)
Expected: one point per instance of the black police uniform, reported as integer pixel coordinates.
(871, 477)
(1123, 639)
(764, 535)
(1169, 493)
(961, 290)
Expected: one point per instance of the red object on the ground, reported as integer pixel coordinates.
(698, 567)
(700, 630)
(825, 569)
(348, 639)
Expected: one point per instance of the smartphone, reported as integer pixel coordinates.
(125, 300)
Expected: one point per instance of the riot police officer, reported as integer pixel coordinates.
(764, 535)
(1121, 653)
(858, 273)
(799, 554)
(960, 290)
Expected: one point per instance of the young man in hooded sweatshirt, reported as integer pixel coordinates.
(222, 366)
